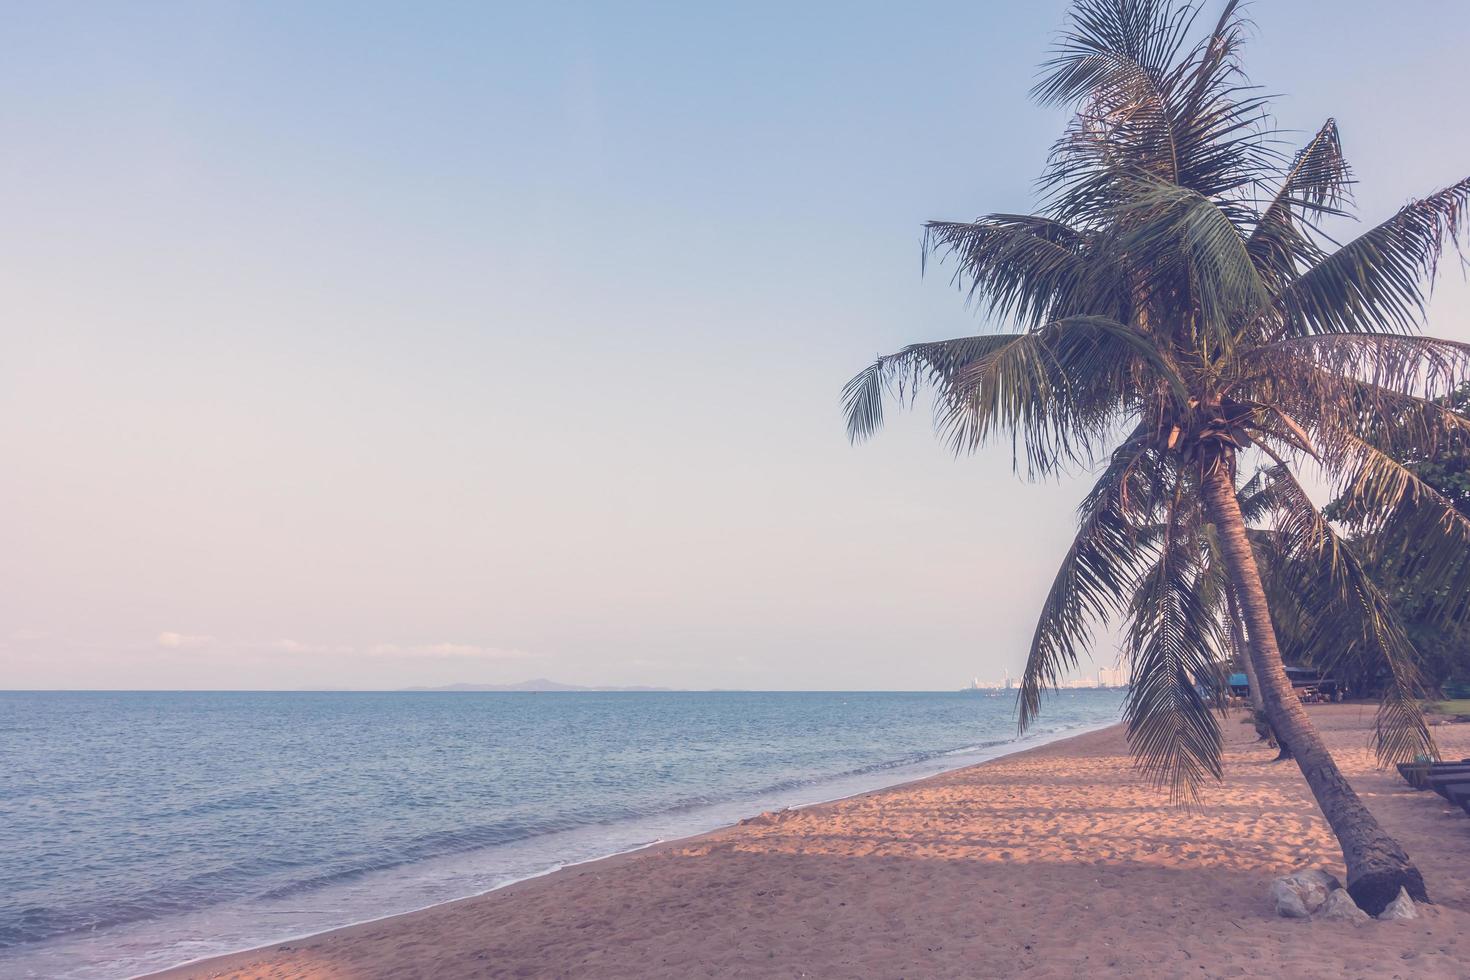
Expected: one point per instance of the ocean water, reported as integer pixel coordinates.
(142, 830)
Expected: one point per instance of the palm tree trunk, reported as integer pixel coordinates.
(1377, 866)
(1258, 702)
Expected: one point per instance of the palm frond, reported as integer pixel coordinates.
(1225, 139)
(900, 376)
(1150, 106)
(1383, 389)
(1375, 489)
(1317, 184)
(1057, 390)
(1023, 268)
(1329, 608)
(1411, 364)
(1176, 652)
(1376, 281)
(1060, 392)
(1096, 574)
(1109, 46)
(1182, 236)
(1385, 498)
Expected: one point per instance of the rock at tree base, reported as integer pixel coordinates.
(1297, 896)
(1401, 907)
(1340, 905)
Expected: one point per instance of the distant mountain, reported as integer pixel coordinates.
(539, 684)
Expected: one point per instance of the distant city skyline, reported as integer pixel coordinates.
(348, 345)
(1080, 679)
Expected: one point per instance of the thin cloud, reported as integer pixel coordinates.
(183, 641)
(297, 646)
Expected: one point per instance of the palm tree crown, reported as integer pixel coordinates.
(1180, 318)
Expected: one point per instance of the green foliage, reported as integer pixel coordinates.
(1175, 308)
(1431, 599)
(1448, 471)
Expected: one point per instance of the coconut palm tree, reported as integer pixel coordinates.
(1181, 320)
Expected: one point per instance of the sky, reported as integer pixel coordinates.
(370, 344)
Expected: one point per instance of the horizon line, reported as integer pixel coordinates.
(629, 689)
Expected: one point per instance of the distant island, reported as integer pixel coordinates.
(539, 684)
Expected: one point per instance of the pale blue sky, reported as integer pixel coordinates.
(373, 344)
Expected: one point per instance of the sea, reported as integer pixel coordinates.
(143, 830)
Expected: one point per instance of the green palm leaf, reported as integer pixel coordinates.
(1098, 570)
(1375, 282)
(1338, 616)
(1177, 653)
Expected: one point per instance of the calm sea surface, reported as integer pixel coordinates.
(141, 830)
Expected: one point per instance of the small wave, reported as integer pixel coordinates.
(320, 831)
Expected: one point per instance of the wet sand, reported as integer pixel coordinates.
(1054, 862)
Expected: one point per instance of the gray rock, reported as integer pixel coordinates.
(1298, 895)
(1401, 907)
(1340, 905)
(1287, 901)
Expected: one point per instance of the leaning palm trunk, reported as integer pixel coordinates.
(1161, 295)
(1258, 701)
(1377, 866)
(1238, 639)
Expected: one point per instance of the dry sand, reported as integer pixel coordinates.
(1056, 862)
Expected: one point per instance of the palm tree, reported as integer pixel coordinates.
(1180, 316)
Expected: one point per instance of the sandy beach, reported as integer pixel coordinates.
(1054, 862)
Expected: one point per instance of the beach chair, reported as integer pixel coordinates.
(1459, 795)
(1417, 774)
(1441, 782)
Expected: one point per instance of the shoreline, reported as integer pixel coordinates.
(971, 872)
(1002, 751)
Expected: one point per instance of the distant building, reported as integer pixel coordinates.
(1103, 678)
